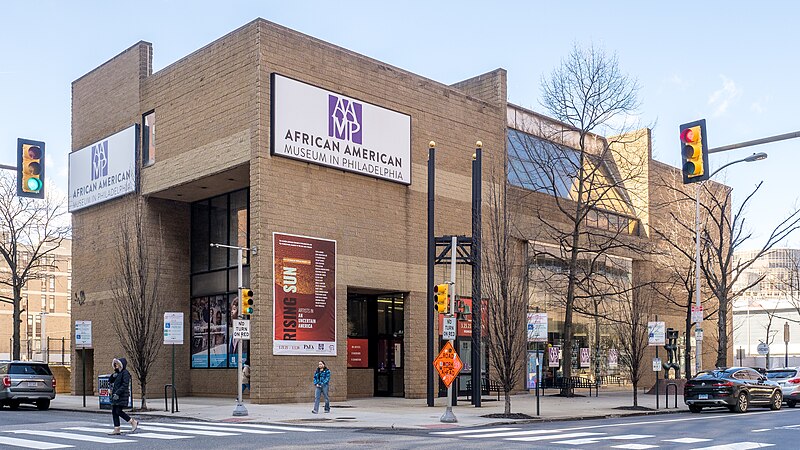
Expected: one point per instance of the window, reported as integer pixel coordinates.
(52, 303)
(52, 283)
(44, 302)
(149, 138)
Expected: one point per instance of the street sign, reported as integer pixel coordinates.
(698, 334)
(449, 329)
(537, 327)
(656, 333)
(762, 349)
(786, 332)
(552, 357)
(656, 364)
(241, 329)
(83, 334)
(697, 314)
(448, 364)
(173, 328)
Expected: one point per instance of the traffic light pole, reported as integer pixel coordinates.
(448, 416)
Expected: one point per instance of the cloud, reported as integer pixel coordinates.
(722, 98)
(759, 106)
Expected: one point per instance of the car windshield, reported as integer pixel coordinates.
(29, 369)
(781, 373)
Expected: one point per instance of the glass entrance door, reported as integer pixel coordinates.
(389, 348)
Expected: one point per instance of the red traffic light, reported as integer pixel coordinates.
(690, 135)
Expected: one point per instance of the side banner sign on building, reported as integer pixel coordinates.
(330, 129)
(304, 270)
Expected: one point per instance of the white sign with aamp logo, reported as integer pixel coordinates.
(322, 127)
(103, 170)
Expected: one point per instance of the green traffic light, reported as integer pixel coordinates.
(34, 184)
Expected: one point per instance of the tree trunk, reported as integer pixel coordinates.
(16, 320)
(144, 396)
(508, 402)
(722, 328)
(636, 394)
(687, 354)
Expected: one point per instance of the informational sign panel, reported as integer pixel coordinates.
(552, 357)
(698, 334)
(762, 349)
(534, 368)
(449, 329)
(586, 357)
(537, 327)
(241, 329)
(173, 328)
(304, 270)
(697, 314)
(613, 358)
(656, 364)
(326, 128)
(357, 353)
(656, 333)
(448, 364)
(103, 170)
(83, 334)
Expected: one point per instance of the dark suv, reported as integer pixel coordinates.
(26, 382)
(737, 388)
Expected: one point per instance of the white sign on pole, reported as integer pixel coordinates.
(537, 327)
(613, 358)
(697, 314)
(241, 329)
(83, 334)
(698, 334)
(449, 329)
(103, 170)
(762, 349)
(173, 328)
(656, 364)
(656, 333)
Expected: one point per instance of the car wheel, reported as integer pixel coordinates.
(777, 401)
(14, 405)
(790, 403)
(742, 403)
(43, 405)
(695, 408)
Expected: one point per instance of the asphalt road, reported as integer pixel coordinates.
(711, 430)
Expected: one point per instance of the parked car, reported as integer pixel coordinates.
(26, 382)
(738, 388)
(789, 381)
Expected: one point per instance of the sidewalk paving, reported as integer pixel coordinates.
(383, 412)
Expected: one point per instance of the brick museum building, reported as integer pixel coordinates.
(314, 158)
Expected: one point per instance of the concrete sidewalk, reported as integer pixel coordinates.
(382, 412)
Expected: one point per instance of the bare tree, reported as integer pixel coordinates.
(30, 230)
(723, 234)
(635, 310)
(505, 290)
(589, 178)
(136, 295)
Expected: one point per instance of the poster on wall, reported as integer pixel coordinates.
(200, 325)
(304, 273)
(585, 358)
(218, 337)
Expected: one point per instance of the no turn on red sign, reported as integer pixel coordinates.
(448, 364)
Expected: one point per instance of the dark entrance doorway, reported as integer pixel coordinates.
(379, 318)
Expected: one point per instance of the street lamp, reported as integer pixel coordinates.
(698, 331)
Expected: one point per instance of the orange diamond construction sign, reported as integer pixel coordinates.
(448, 364)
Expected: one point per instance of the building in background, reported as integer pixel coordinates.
(46, 305)
(763, 311)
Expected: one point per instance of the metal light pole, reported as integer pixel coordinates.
(786, 341)
(698, 331)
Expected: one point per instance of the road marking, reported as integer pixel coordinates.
(595, 440)
(687, 440)
(737, 446)
(258, 426)
(26, 443)
(138, 435)
(511, 433)
(198, 432)
(215, 428)
(483, 430)
(74, 436)
(634, 446)
(760, 430)
(552, 436)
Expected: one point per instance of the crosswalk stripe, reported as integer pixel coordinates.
(687, 440)
(634, 446)
(173, 430)
(27, 443)
(138, 435)
(552, 436)
(73, 436)
(483, 430)
(256, 425)
(512, 433)
(737, 446)
(595, 440)
(213, 428)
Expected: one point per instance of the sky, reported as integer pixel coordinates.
(733, 63)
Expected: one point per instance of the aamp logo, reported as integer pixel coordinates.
(344, 119)
(100, 160)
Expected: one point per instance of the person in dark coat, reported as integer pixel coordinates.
(120, 385)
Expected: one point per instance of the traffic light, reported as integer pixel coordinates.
(30, 168)
(694, 151)
(246, 296)
(442, 303)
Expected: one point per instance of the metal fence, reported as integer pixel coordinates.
(58, 351)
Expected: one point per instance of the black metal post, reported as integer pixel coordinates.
(477, 304)
(83, 363)
(538, 376)
(431, 257)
